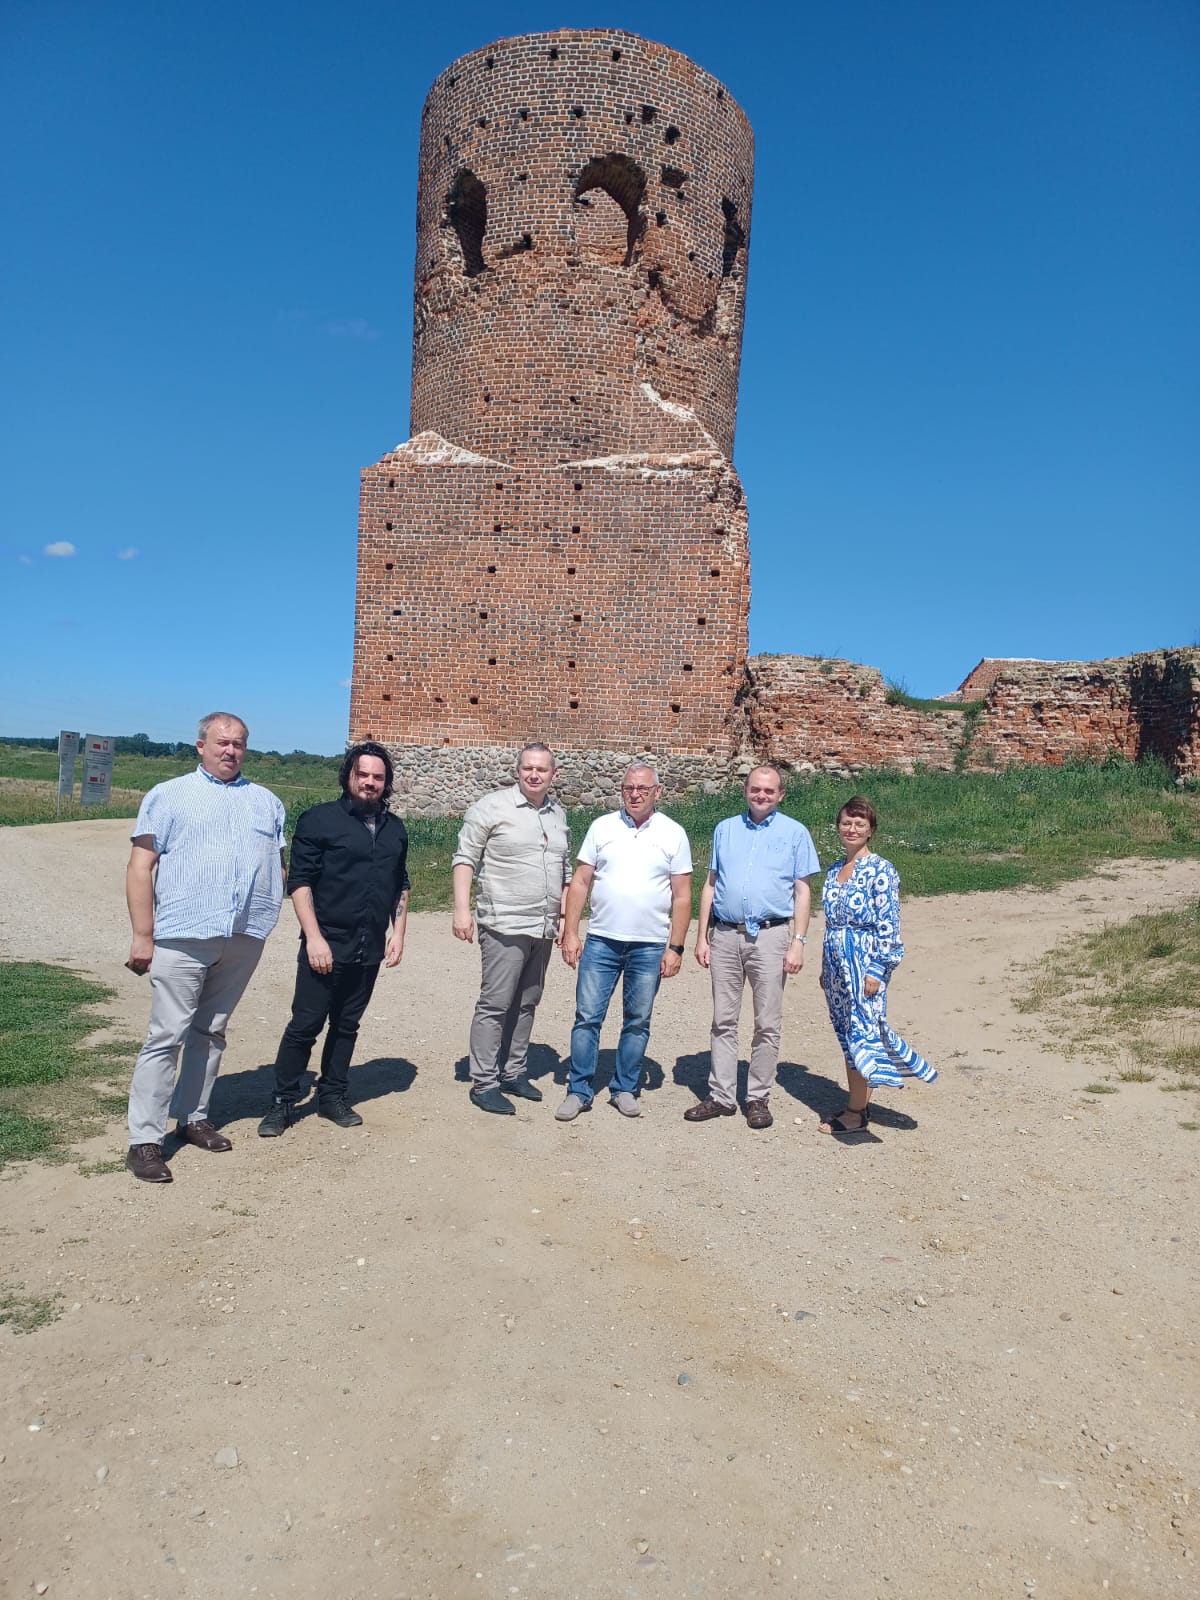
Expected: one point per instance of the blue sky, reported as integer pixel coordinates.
(968, 421)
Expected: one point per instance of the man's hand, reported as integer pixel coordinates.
(871, 987)
(394, 952)
(703, 951)
(793, 958)
(670, 964)
(320, 956)
(571, 946)
(464, 926)
(141, 954)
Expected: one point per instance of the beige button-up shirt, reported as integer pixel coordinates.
(521, 857)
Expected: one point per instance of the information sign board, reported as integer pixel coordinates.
(97, 770)
(68, 749)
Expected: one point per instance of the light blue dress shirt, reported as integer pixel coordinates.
(757, 864)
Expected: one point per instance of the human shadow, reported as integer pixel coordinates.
(827, 1096)
(691, 1072)
(248, 1093)
(542, 1062)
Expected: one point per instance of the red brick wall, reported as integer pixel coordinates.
(561, 551)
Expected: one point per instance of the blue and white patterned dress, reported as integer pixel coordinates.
(862, 940)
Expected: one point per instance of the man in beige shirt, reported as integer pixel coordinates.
(516, 844)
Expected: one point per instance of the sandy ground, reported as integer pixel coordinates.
(462, 1355)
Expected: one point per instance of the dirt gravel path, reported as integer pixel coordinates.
(471, 1356)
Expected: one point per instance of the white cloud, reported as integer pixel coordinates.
(61, 547)
(127, 554)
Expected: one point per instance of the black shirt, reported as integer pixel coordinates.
(356, 875)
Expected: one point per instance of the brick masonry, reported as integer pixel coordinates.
(560, 550)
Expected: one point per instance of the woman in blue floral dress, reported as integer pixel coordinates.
(861, 902)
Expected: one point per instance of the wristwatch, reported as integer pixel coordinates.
(676, 949)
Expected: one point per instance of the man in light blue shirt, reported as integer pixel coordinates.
(204, 886)
(757, 885)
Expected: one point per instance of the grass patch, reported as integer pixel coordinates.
(1100, 1088)
(48, 1068)
(101, 1169)
(1132, 988)
(25, 1313)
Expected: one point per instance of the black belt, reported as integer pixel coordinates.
(740, 927)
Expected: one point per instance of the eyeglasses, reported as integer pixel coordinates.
(638, 788)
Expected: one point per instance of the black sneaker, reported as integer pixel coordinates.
(277, 1120)
(339, 1111)
(521, 1087)
(491, 1099)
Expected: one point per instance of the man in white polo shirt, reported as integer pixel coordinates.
(637, 864)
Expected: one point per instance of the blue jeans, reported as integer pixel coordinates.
(604, 961)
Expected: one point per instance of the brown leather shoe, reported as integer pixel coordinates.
(145, 1162)
(706, 1110)
(758, 1114)
(203, 1135)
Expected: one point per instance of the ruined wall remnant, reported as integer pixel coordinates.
(805, 712)
(560, 551)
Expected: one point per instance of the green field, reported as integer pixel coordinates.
(946, 832)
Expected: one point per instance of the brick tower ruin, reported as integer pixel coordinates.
(560, 550)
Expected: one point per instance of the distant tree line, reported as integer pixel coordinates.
(141, 744)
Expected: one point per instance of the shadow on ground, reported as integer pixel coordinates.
(248, 1094)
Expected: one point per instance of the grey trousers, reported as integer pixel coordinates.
(514, 975)
(194, 986)
(735, 960)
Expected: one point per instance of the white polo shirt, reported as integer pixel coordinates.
(631, 890)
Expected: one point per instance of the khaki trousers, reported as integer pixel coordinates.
(735, 959)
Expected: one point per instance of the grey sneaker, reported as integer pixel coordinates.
(626, 1104)
(570, 1108)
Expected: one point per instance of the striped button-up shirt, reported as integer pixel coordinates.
(218, 845)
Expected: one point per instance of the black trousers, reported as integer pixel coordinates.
(339, 997)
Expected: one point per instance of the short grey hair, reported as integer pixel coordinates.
(764, 766)
(536, 749)
(641, 766)
(206, 723)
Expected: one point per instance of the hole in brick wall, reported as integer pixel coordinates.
(628, 118)
(700, 621)
(571, 664)
(735, 238)
(481, 122)
(577, 112)
(574, 399)
(523, 113)
(386, 697)
(389, 658)
(490, 63)
(616, 55)
(648, 113)
(553, 52)
(500, 486)
(574, 704)
(671, 134)
(391, 483)
(578, 487)
(446, 140)
(661, 218)
(687, 666)
(720, 94)
(654, 277)
(714, 572)
(388, 526)
(673, 177)
(570, 572)
(487, 399)
(577, 617)
(497, 527)
(445, 741)
(575, 525)
(437, 700)
(491, 661)
(624, 182)
(674, 705)
(483, 616)
(474, 699)
(451, 81)
(389, 566)
(491, 569)
(522, 177)
(466, 206)
(397, 611)
(691, 255)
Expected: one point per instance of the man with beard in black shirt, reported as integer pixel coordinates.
(348, 881)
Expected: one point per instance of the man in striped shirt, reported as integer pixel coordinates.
(204, 886)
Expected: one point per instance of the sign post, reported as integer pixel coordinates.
(68, 749)
(97, 771)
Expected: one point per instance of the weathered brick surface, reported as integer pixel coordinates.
(561, 550)
(804, 711)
